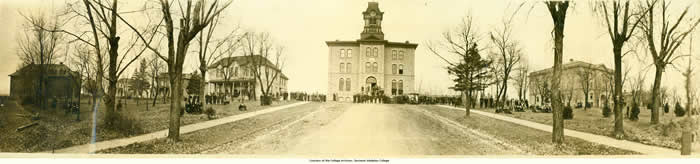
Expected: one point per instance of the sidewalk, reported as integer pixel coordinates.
(604, 140)
(102, 145)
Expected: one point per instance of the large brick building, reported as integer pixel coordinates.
(572, 82)
(61, 81)
(370, 63)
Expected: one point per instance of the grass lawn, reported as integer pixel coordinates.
(59, 130)
(665, 134)
(530, 140)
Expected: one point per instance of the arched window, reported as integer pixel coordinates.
(349, 53)
(368, 53)
(342, 67)
(341, 84)
(368, 68)
(400, 69)
(400, 87)
(375, 67)
(393, 87)
(342, 53)
(400, 55)
(347, 84)
(393, 55)
(348, 68)
(393, 69)
(376, 52)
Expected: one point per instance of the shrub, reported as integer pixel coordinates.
(606, 111)
(265, 100)
(666, 108)
(679, 111)
(210, 112)
(402, 99)
(568, 113)
(126, 125)
(634, 114)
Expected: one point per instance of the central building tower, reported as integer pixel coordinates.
(370, 64)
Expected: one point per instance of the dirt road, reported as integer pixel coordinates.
(375, 130)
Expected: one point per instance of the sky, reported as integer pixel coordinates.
(303, 26)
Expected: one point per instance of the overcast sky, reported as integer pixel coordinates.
(302, 26)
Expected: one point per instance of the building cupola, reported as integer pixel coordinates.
(373, 23)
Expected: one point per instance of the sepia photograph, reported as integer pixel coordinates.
(348, 81)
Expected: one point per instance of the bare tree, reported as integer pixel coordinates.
(195, 17)
(509, 52)
(102, 19)
(212, 49)
(38, 47)
(568, 88)
(670, 37)
(155, 67)
(521, 79)
(541, 88)
(266, 65)
(620, 30)
(470, 70)
(83, 60)
(557, 9)
(586, 76)
(637, 87)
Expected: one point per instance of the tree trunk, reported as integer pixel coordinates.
(617, 99)
(505, 88)
(203, 86)
(155, 94)
(110, 99)
(466, 103)
(585, 101)
(655, 94)
(174, 121)
(557, 113)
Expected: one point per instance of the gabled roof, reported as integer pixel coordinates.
(245, 60)
(574, 64)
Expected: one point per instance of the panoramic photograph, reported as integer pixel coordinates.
(350, 80)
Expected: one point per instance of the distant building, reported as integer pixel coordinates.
(124, 87)
(61, 81)
(370, 63)
(234, 77)
(161, 86)
(571, 84)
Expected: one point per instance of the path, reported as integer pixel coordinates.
(622, 144)
(88, 148)
(375, 130)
